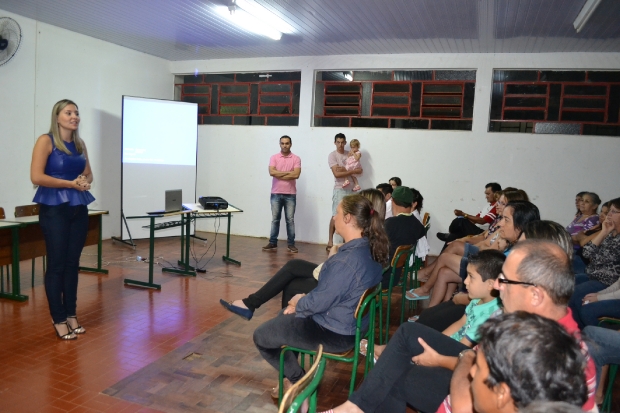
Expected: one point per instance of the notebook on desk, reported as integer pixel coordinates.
(173, 202)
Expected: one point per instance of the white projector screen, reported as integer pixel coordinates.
(158, 153)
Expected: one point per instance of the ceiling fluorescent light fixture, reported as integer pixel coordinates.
(254, 18)
(586, 12)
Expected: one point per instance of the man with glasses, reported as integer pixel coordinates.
(416, 368)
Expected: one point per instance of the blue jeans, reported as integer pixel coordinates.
(279, 201)
(581, 290)
(298, 332)
(604, 346)
(64, 229)
(590, 313)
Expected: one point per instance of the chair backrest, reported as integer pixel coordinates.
(295, 396)
(427, 223)
(362, 304)
(426, 218)
(26, 210)
(2, 216)
(400, 256)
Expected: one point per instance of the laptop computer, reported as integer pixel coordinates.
(173, 202)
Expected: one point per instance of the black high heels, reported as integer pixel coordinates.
(69, 335)
(74, 326)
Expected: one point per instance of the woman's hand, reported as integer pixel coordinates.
(80, 183)
(429, 356)
(293, 303)
(459, 213)
(334, 249)
(590, 298)
(607, 226)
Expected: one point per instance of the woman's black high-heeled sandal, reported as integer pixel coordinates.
(71, 322)
(70, 335)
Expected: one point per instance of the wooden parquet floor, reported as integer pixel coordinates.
(132, 329)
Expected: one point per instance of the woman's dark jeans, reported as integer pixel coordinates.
(296, 332)
(64, 229)
(295, 277)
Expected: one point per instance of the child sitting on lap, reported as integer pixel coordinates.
(353, 162)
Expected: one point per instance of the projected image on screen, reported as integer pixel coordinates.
(158, 153)
(159, 132)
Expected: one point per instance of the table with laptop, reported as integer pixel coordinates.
(186, 212)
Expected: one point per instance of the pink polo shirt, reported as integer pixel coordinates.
(284, 164)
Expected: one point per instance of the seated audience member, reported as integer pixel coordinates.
(422, 248)
(523, 358)
(403, 228)
(395, 181)
(451, 268)
(459, 246)
(326, 314)
(587, 219)
(386, 190)
(604, 255)
(604, 346)
(296, 276)
(465, 224)
(605, 303)
(441, 316)
(536, 278)
(578, 199)
(482, 270)
(489, 237)
(583, 237)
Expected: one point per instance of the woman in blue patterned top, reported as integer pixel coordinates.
(61, 169)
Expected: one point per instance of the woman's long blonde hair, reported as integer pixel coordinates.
(55, 131)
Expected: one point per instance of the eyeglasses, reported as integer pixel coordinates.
(503, 280)
(613, 212)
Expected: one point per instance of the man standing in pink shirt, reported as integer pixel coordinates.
(285, 167)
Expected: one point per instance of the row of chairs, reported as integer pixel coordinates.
(371, 302)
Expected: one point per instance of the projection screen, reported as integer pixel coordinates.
(159, 147)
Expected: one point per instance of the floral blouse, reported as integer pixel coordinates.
(604, 260)
(575, 227)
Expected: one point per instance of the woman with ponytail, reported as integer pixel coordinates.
(326, 314)
(296, 276)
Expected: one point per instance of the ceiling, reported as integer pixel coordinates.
(192, 29)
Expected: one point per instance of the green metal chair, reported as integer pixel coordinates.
(305, 388)
(28, 211)
(613, 370)
(400, 262)
(367, 306)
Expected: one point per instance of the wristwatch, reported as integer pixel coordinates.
(465, 215)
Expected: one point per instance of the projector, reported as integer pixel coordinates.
(213, 202)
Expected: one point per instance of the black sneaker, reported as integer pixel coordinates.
(293, 249)
(443, 236)
(270, 247)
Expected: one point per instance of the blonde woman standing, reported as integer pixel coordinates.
(61, 169)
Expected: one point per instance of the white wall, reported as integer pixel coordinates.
(450, 168)
(54, 64)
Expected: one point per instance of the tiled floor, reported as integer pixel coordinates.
(129, 328)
